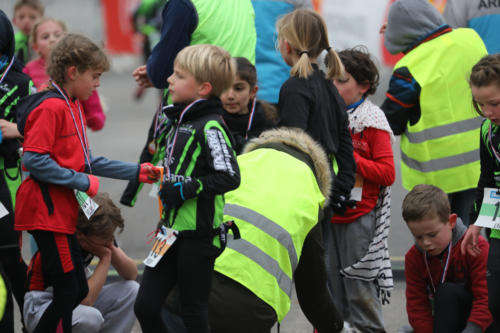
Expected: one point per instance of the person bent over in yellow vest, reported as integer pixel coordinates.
(429, 101)
(285, 181)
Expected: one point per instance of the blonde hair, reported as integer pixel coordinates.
(208, 63)
(306, 32)
(485, 73)
(75, 50)
(426, 201)
(40, 22)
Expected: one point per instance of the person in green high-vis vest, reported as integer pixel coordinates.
(429, 102)
(277, 210)
(226, 23)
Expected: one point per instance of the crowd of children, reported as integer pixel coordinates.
(341, 147)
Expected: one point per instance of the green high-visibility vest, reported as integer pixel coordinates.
(442, 148)
(3, 297)
(217, 25)
(272, 231)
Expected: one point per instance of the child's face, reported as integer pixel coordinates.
(183, 86)
(350, 90)
(235, 100)
(488, 100)
(25, 17)
(432, 234)
(82, 85)
(47, 35)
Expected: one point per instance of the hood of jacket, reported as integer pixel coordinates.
(303, 143)
(7, 42)
(408, 22)
(456, 234)
(29, 103)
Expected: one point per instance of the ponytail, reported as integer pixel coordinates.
(303, 67)
(335, 68)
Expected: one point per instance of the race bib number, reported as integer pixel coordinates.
(88, 205)
(489, 215)
(163, 241)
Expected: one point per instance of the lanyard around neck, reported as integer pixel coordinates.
(491, 144)
(445, 269)
(171, 148)
(355, 105)
(250, 118)
(7, 70)
(82, 137)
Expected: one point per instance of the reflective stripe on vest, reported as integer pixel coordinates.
(269, 227)
(442, 147)
(218, 24)
(272, 234)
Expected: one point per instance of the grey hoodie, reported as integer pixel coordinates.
(408, 22)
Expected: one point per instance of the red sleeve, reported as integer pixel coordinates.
(93, 112)
(380, 168)
(42, 125)
(479, 314)
(418, 306)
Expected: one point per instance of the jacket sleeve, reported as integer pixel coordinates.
(46, 169)
(380, 167)
(480, 313)
(221, 159)
(402, 100)
(345, 177)
(179, 21)
(486, 178)
(94, 113)
(310, 284)
(101, 166)
(418, 306)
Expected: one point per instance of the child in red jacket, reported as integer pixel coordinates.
(445, 290)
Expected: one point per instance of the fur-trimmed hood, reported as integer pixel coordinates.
(302, 142)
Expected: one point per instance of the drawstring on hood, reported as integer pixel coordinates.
(408, 22)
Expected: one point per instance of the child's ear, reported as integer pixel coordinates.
(253, 91)
(453, 220)
(72, 72)
(365, 86)
(205, 89)
(288, 48)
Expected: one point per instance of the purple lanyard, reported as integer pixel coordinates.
(83, 136)
(250, 118)
(169, 157)
(445, 270)
(7, 70)
(491, 144)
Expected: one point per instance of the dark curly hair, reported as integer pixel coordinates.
(484, 73)
(358, 62)
(75, 50)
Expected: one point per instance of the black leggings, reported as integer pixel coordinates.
(189, 264)
(66, 276)
(15, 279)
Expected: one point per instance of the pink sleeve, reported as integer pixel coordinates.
(93, 112)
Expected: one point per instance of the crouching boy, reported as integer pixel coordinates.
(445, 290)
(107, 308)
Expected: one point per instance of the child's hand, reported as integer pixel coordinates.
(469, 243)
(97, 249)
(140, 75)
(9, 130)
(148, 173)
(173, 194)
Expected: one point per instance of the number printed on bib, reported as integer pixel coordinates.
(164, 239)
(489, 215)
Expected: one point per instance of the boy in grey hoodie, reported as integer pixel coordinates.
(429, 101)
